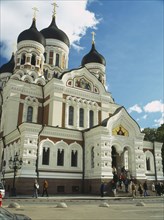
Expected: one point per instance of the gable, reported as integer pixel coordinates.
(121, 123)
(84, 80)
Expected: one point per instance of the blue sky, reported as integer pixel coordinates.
(129, 34)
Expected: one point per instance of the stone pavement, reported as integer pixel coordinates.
(88, 208)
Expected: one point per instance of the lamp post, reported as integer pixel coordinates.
(15, 164)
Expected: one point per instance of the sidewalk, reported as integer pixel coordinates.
(88, 208)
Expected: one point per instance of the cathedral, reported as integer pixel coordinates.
(62, 125)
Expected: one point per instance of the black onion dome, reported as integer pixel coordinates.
(53, 32)
(32, 34)
(8, 67)
(93, 57)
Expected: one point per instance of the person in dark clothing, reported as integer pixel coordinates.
(140, 189)
(145, 189)
(102, 188)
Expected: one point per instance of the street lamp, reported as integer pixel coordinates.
(15, 164)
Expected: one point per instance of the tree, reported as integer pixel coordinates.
(153, 134)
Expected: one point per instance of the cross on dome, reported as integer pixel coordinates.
(54, 9)
(93, 37)
(35, 10)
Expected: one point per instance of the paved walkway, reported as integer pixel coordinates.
(88, 208)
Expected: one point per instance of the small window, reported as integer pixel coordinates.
(60, 157)
(33, 60)
(46, 155)
(92, 157)
(57, 60)
(148, 164)
(51, 57)
(71, 115)
(45, 57)
(29, 114)
(91, 118)
(74, 158)
(81, 117)
(23, 58)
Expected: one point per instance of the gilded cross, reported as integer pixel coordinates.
(35, 10)
(93, 36)
(54, 10)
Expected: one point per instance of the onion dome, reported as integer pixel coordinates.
(8, 67)
(32, 34)
(53, 32)
(93, 57)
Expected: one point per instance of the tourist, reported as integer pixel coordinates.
(145, 188)
(45, 188)
(140, 189)
(36, 188)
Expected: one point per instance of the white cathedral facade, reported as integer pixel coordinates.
(64, 124)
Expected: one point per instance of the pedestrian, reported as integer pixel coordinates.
(0, 199)
(133, 188)
(113, 183)
(140, 189)
(36, 188)
(153, 187)
(102, 188)
(145, 188)
(45, 188)
(126, 183)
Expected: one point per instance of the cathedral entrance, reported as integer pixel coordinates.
(116, 159)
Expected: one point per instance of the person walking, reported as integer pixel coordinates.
(133, 188)
(102, 188)
(140, 189)
(145, 188)
(45, 188)
(36, 188)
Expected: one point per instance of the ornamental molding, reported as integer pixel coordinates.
(53, 43)
(30, 43)
(61, 133)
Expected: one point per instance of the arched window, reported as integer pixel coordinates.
(81, 117)
(29, 114)
(71, 115)
(91, 116)
(92, 157)
(60, 157)
(148, 164)
(23, 58)
(74, 158)
(57, 60)
(46, 155)
(51, 57)
(33, 59)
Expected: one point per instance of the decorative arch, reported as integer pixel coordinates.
(75, 151)
(149, 162)
(30, 102)
(27, 78)
(45, 150)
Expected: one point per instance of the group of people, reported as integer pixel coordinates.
(125, 181)
(36, 188)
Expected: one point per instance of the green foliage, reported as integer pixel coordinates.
(152, 134)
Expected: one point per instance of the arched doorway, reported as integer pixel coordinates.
(115, 158)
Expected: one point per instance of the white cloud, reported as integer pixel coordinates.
(159, 121)
(72, 17)
(154, 106)
(144, 117)
(135, 108)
